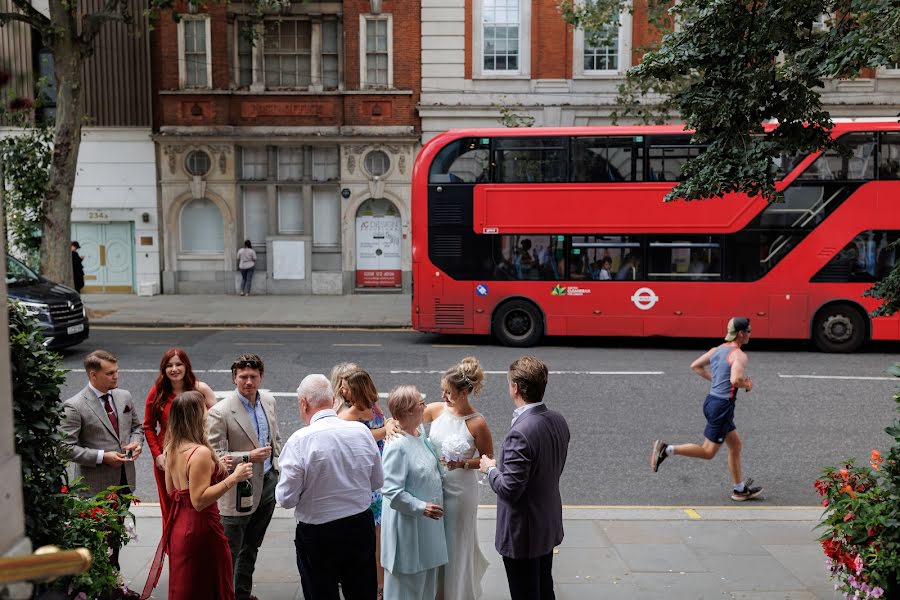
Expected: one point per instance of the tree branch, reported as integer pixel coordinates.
(113, 10)
(32, 16)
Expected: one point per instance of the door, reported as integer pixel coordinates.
(107, 250)
(378, 236)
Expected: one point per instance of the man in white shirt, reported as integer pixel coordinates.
(328, 472)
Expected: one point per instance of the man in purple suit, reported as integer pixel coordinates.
(529, 507)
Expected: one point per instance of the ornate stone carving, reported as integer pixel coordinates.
(393, 149)
(172, 152)
(351, 163)
(222, 151)
(401, 164)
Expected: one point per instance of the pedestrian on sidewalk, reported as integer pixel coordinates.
(102, 430)
(246, 257)
(175, 376)
(77, 267)
(243, 426)
(328, 472)
(200, 565)
(726, 373)
(526, 481)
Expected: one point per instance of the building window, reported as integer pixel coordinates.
(197, 163)
(201, 227)
(287, 53)
(194, 67)
(254, 163)
(290, 210)
(326, 217)
(377, 163)
(244, 63)
(330, 55)
(501, 26)
(291, 164)
(256, 214)
(325, 164)
(605, 53)
(376, 70)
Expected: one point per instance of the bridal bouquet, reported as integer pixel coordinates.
(454, 448)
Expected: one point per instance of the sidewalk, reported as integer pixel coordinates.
(745, 553)
(356, 310)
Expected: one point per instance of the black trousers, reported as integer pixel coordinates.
(245, 536)
(338, 552)
(530, 578)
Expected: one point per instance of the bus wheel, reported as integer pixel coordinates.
(518, 323)
(839, 328)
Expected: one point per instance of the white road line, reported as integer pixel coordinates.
(847, 377)
(431, 372)
(357, 345)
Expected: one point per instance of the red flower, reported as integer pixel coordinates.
(848, 516)
(821, 487)
(83, 514)
(825, 502)
(845, 474)
(64, 489)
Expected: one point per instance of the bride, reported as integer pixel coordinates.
(461, 434)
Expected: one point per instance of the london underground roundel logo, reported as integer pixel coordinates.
(645, 298)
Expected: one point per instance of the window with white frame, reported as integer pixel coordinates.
(606, 52)
(294, 53)
(194, 67)
(291, 163)
(326, 217)
(201, 227)
(325, 165)
(254, 162)
(256, 214)
(501, 27)
(290, 210)
(375, 63)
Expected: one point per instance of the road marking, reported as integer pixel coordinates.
(358, 345)
(257, 344)
(847, 377)
(453, 346)
(692, 513)
(432, 372)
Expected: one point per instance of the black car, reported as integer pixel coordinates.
(58, 308)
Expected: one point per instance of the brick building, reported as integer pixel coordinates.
(297, 133)
(477, 54)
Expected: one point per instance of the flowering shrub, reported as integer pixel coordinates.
(97, 523)
(861, 524)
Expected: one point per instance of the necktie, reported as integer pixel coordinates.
(111, 413)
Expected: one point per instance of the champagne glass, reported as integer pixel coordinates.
(222, 447)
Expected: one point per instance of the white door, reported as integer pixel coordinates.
(378, 238)
(107, 250)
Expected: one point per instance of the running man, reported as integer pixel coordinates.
(727, 363)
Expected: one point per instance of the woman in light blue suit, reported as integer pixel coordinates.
(413, 545)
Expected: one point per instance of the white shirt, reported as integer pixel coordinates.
(329, 470)
(112, 403)
(518, 412)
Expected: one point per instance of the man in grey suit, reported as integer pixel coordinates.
(244, 426)
(102, 429)
(529, 506)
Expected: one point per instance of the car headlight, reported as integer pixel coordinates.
(33, 309)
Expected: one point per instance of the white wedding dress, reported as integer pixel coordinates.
(460, 578)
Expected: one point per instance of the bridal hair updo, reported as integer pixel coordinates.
(466, 376)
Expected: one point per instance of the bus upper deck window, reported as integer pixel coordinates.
(462, 161)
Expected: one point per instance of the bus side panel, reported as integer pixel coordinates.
(886, 328)
(789, 316)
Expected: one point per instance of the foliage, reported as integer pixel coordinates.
(26, 170)
(509, 117)
(37, 414)
(96, 523)
(861, 524)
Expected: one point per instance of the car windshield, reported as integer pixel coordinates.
(17, 273)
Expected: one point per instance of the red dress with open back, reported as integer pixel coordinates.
(156, 442)
(200, 565)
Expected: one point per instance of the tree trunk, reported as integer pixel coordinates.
(56, 256)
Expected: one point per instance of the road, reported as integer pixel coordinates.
(807, 409)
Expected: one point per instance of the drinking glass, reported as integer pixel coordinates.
(222, 448)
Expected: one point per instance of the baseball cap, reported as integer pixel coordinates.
(735, 325)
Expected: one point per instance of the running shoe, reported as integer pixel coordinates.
(658, 455)
(749, 492)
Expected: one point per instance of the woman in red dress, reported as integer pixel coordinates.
(200, 565)
(175, 376)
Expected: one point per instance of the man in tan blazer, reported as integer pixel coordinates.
(242, 425)
(102, 429)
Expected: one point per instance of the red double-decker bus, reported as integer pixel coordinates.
(531, 232)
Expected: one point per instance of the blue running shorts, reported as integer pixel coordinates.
(719, 414)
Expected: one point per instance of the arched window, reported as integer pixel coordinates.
(202, 229)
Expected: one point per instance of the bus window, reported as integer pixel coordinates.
(600, 257)
(853, 161)
(606, 159)
(889, 156)
(668, 154)
(531, 160)
(868, 257)
(534, 257)
(752, 254)
(695, 258)
(461, 161)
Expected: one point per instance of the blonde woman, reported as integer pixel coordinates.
(413, 544)
(460, 435)
(195, 480)
(338, 372)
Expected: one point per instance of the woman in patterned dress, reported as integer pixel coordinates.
(361, 404)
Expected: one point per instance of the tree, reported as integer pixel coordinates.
(731, 66)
